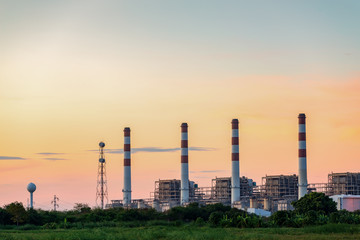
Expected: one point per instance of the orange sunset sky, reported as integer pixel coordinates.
(73, 73)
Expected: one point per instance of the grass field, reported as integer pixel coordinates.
(187, 232)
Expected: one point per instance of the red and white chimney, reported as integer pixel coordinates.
(127, 168)
(184, 194)
(235, 168)
(302, 157)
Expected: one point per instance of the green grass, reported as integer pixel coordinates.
(187, 232)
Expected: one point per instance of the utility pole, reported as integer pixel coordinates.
(55, 202)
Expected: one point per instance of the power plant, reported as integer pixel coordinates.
(275, 192)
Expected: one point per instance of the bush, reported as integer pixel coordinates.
(348, 217)
(51, 225)
(28, 227)
(215, 218)
(334, 217)
(199, 222)
(311, 217)
(226, 221)
(314, 201)
(280, 218)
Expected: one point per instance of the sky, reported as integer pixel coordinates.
(74, 73)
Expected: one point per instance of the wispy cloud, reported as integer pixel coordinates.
(202, 149)
(49, 153)
(54, 159)
(11, 158)
(155, 149)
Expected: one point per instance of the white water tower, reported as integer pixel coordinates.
(31, 187)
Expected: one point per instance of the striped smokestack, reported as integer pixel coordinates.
(184, 164)
(302, 156)
(235, 169)
(127, 168)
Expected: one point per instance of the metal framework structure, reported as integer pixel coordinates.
(219, 192)
(167, 190)
(279, 186)
(344, 183)
(101, 189)
(55, 201)
(319, 187)
(277, 192)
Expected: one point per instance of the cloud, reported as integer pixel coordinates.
(54, 159)
(202, 149)
(155, 149)
(49, 153)
(11, 158)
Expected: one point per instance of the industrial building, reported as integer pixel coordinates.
(276, 192)
(280, 186)
(344, 183)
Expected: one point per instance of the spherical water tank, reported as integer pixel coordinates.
(31, 187)
(102, 144)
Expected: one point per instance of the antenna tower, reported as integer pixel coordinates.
(101, 189)
(55, 202)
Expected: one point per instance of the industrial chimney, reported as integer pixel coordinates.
(302, 157)
(235, 169)
(184, 165)
(127, 168)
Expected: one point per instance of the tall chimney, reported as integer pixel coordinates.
(235, 169)
(302, 157)
(127, 168)
(184, 165)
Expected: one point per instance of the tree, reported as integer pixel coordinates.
(315, 201)
(215, 218)
(4, 217)
(281, 218)
(17, 211)
(34, 217)
(82, 207)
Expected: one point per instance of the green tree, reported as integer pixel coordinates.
(82, 207)
(17, 211)
(281, 218)
(215, 218)
(4, 217)
(33, 217)
(315, 201)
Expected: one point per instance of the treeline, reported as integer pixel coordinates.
(313, 209)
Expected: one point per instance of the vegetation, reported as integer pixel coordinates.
(17, 212)
(315, 202)
(187, 232)
(314, 214)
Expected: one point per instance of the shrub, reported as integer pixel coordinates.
(280, 218)
(334, 217)
(50, 225)
(27, 227)
(199, 222)
(215, 218)
(311, 217)
(226, 221)
(315, 201)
